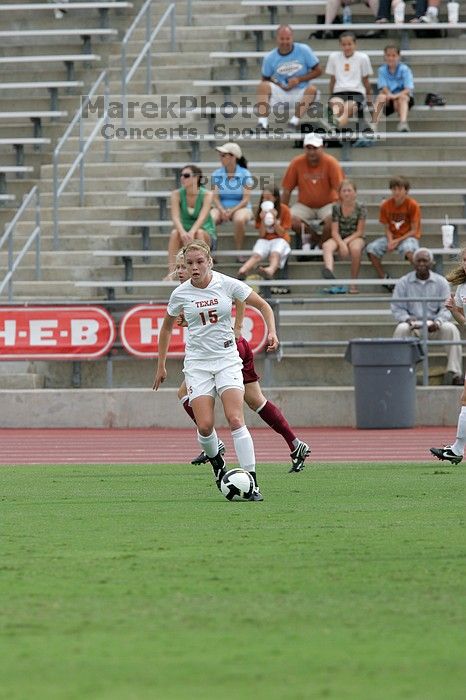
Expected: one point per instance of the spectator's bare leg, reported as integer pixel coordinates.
(272, 267)
(328, 249)
(401, 106)
(174, 244)
(331, 10)
(264, 90)
(240, 219)
(355, 248)
(377, 263)
(309, 96)
(379, 104)
(249, 265)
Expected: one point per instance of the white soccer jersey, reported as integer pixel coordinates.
(208, 314)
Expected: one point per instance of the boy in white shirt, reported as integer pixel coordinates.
(349, 85)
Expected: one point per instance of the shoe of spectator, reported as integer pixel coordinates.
(388, 287)
(327, 274)
(447, 453)
(403, 127)
(59, 14)
(428, 18)
(452, 379)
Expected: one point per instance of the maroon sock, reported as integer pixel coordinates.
(277, 421)
(188, 409)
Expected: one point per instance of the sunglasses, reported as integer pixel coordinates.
(186, 174)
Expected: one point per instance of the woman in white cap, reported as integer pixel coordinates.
(232, 184)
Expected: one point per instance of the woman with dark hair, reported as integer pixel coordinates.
(190, 210)
(273, 222)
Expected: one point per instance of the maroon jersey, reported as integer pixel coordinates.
(249, 371)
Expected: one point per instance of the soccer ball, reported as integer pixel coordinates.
(237, 485)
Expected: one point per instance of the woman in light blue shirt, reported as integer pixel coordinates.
(396, 84)
(232, 184)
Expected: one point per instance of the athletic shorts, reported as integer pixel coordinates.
(309, 214)
(390, 109)
(265, 246)
(211, 377)
(352, 96)
(249, 371)
(379, 246)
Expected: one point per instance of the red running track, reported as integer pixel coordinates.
(160, 445)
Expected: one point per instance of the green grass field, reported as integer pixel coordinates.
(135, 582)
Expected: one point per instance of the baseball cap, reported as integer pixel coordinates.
(313, 140)
(231, 148)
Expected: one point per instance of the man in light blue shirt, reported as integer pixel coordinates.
(396, 85)
(286, 87)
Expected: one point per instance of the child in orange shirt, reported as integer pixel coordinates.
(401, 217)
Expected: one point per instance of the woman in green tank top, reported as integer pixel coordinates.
(190, 208)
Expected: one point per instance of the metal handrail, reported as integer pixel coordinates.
(8, 237)
(127, 75)
(84, 145)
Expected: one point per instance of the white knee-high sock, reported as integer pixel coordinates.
(458, 445)
(209, 443)
(244, 448)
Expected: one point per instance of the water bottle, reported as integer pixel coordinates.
(269, 222)
(346, 16)
(399, 12)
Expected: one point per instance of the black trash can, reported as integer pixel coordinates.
(384, 380)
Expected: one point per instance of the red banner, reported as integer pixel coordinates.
(55, 332)
(140, 327)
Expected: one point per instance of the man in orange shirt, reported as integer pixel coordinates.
(317, 176)
(401, 216)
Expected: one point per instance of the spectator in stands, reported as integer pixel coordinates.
(425, 11)
(58, 13)
(422, 282)
(232, 184)
(348, 227)
(287, 72)
(190, 210)
(395, 84)
(273, 222)
(333, 7)
(349, 85)
(401, 216)
(317, 176)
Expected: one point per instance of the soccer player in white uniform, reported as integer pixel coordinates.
(456, 304)
(212, 363)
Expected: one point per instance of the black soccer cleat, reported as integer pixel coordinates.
(298, 456)
(219, 468)
(256, 495)
(202, 457)
(446, 453)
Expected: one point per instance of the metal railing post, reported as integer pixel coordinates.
(38, 238)
(173, 28)
(425, 359)
(189, 18)
(123, 83)
(55, 200)
(106, 105)
(81, 162)
(149, 53)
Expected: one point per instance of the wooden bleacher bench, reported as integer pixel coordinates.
(85, 33)
(103, 8)
(406, 29)
(274, 5)
(176, 165)
(36, 116)
(68, 59)
(51, 85)
(229, 82)
(244, 56)
(19, 143)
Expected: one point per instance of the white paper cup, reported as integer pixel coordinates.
(267, 205)
(269, 219)
(453, 12)
(447, 235)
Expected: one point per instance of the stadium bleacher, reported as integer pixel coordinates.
(111, 225)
